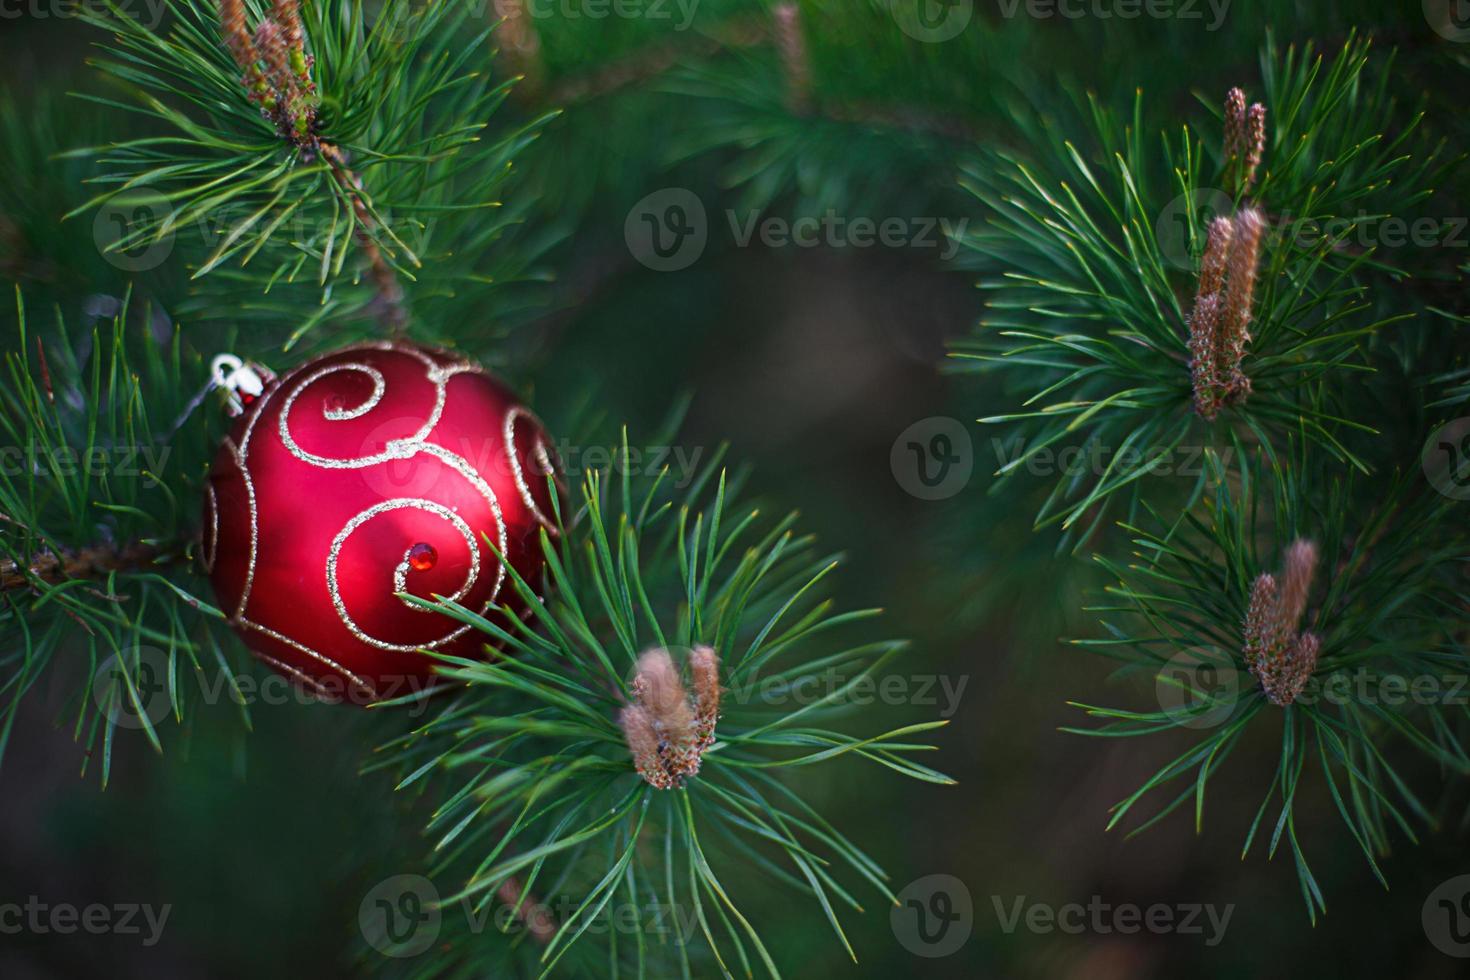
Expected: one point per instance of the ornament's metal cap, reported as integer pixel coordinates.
(241, 381)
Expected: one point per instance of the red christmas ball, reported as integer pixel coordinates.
(369, 471)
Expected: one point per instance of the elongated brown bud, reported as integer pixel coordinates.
(276, 56)
(1234, 123)
(1205, 354)
(791, 43)
(704, 667)
(1217, 252)
(519, 43)
(236, 34)
(660, 690)
(287, 15)
(1255, 145)
(1281, 658)
(1259, 629)
(1204, 327)
(1296, 580)
(1240, 293)
(668, 732)
(643, 744)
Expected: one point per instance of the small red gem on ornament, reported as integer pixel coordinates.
(422, 557)
(246, 398)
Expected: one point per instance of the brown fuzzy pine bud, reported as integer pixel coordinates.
(1240, 293)
(664, 727)
(1296, 580)
(276, 56)
(1284, 678)
(1255, 145)
(520, 44)
(1204, 320)
(287, 15)
(1217, 251)
(1281, 658)
(1234, 123)
(643, 743)
(236, 34)
(794, 58)
(660, 690)
(1204, 326)
(1260, 629)
(704, 667)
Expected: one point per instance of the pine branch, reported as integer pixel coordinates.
(347, 133)
(93, 562)
(1089, 270)
(100, 520)
(1204, 617)
(542, 782)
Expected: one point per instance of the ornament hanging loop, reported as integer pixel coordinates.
(241, 381)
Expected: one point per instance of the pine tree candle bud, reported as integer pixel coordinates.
(516, 30)
(1260, 629)
(664, 727)
(1204, 321)
(1204, 325)
(1240, 291)
(1234, 122)
(662, 693)
(1296, 581)
(1255, 144)
(1282, 659)
(287, 15)
(275, 55)
(704, 668)
(1217, 252)
(794, 59)
(643, 744)
(236, 35)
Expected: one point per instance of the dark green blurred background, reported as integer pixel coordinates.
(811, 361)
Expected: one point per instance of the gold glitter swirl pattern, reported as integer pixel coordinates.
(290, 388)
(209, 549)
(542, 457)
(400, 574)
